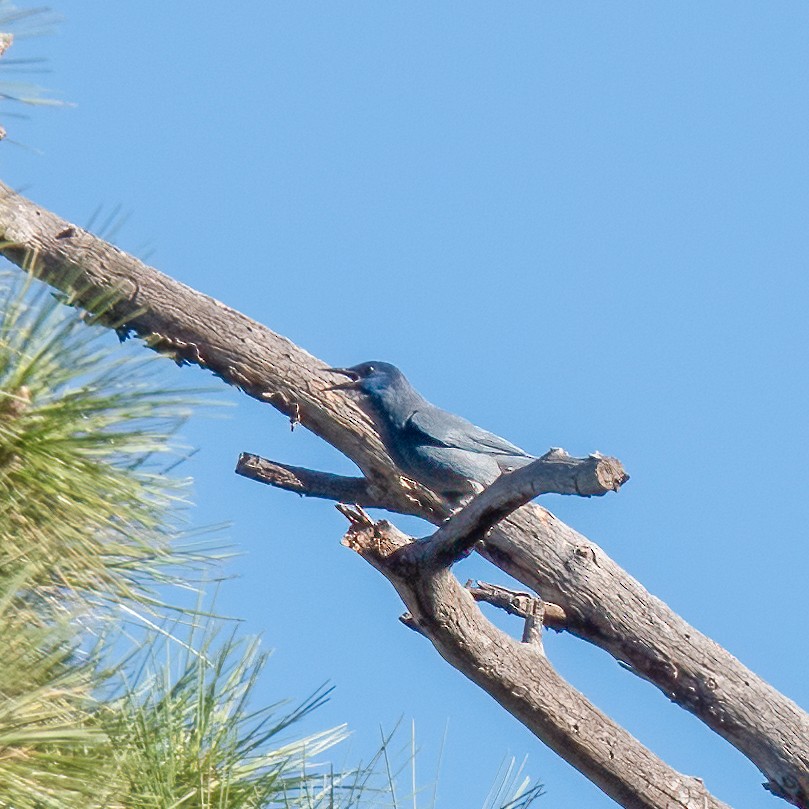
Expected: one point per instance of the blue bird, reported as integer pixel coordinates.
(442, 451)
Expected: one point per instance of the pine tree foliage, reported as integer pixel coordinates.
(83, 504)
(191, 738)
(51, 752)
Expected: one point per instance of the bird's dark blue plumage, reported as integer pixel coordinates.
(444, 452)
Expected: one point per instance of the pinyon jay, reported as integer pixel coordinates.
(442, 451)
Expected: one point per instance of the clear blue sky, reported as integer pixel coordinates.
(578, 224)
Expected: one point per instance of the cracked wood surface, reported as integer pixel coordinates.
(604, 604)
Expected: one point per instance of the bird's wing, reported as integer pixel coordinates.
(444, 429)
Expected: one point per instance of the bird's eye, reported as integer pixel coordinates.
(370, 369)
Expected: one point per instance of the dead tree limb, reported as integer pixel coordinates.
(308, 483)
(517, 603)
(518, 675)
(604, 605)
(556, 472)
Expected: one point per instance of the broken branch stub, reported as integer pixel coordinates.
(556, 472)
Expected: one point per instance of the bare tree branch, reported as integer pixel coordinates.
(556, 472)
(308, 482)
(532, 609)
(603, 604)
(516, 603)
(522, 680)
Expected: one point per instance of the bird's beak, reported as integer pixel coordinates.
(353, 378)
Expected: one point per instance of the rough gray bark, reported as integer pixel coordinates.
(603, 604)
(518, 675)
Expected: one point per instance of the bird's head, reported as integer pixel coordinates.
(371, 378)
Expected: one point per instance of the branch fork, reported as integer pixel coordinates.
(399, 556)
(518, 674)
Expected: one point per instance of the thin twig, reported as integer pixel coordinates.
(517, 602)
